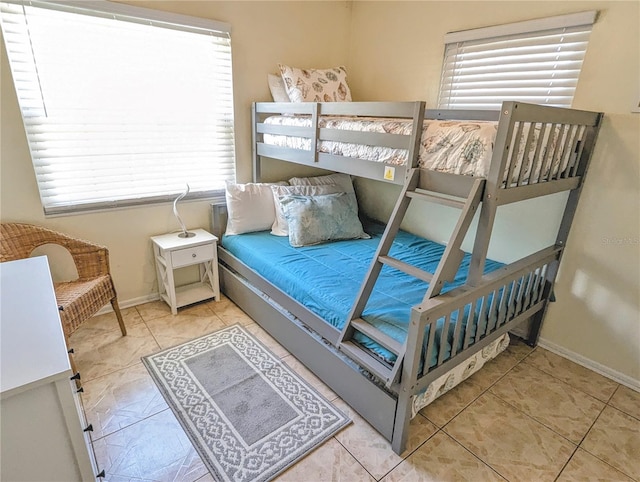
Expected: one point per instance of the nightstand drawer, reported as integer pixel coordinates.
(196, 254)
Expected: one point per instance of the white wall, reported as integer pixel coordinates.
(396, 53)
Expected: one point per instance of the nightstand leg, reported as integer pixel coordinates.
(209, 274)
(166, 282)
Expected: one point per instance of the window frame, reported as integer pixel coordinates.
(456, 41)
(143, 16)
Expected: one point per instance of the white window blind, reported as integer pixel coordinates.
(121, 105)
(536, 61)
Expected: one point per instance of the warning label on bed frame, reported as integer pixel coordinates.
(389, 173)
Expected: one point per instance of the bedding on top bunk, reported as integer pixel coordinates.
(450, 146)
(327, 277)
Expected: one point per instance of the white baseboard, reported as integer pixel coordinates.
(130, 302)
(605, 371)
(614, 375)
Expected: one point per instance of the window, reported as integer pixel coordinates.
(121, 105)
(536, 61)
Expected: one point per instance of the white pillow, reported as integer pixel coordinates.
(277, 88)
(342, 180)
(280, 225)
(249, 207)
(316, 85)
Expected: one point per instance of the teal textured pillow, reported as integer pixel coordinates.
(316, 219)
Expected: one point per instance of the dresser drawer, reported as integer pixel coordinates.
(195, 254)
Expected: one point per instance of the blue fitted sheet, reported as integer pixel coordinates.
(326, 278)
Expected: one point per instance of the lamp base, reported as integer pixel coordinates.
(186, 234)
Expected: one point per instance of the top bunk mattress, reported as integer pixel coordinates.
(326, 277)
(455, 147)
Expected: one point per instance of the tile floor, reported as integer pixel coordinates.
(529, 415)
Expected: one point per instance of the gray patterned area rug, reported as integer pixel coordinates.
(248, 415)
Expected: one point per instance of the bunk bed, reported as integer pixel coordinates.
(468, 304)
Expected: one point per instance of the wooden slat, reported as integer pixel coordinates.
(444, 338)
(429, 347)
(526, 163)
(361, 167)
(557, 152)
(436, 199)
(462, 114)
(538, 155)
(493, 311)
(527, 293)
(446, 183)
(569, 149)
(469, 327)
(452, 265)
(507, 302)
(376, 335)
(514, 152)
(581, 138)
(371, 109)
(542, 278)
(406, 268)
(365, 360)
(458, 327)
(291, 131)
(283, 107)
(299, 156)
(378, 139)
(548, 153)
(511, 302)
(506, 196)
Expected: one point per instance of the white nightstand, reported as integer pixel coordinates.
(172, 252)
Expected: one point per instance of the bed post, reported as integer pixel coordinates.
(255, 158)
(564, 229)
(415, 340)
(490, 197)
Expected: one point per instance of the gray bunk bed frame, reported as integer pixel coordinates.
(517, 292)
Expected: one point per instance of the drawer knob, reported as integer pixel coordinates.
(193, 255)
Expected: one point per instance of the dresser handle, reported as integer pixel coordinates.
(89, 428)
(75, 377)
(193, 255)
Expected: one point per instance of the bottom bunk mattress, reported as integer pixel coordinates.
(326, 279)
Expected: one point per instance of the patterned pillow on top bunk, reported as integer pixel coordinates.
(316, 85)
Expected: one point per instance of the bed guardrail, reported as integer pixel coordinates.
(313, 134)
(479, 314)
(465, 320)
(542, 150)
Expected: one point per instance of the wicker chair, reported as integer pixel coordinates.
(80, 299)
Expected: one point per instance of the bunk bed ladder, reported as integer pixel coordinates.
(446, 271)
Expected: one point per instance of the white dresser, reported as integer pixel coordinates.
(43, 434)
